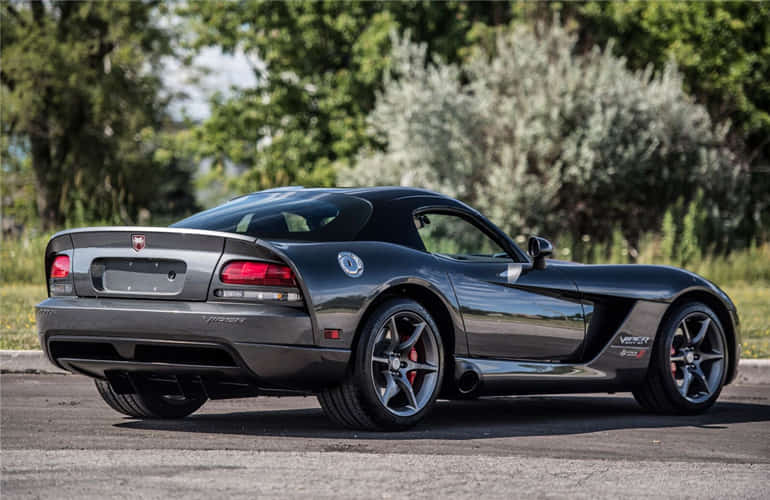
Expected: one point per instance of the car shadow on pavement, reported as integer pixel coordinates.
(480, 419)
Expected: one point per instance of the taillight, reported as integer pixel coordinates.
(258, 273)
(60, 268)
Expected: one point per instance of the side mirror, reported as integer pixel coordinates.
(539, 249)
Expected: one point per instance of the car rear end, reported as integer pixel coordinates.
(203, 312)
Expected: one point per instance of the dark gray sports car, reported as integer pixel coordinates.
(377, 300)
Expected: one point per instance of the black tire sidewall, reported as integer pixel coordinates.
(661, 363)
(145, 404)
(162, 408)
(362, 369)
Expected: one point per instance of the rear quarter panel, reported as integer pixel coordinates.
(338, 301)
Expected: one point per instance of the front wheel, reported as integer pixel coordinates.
(689, 362)
(148, 405)
(396, 373)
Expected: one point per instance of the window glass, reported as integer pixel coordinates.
(455, 237)
(293, 216)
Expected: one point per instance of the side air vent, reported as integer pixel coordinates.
(603, 323)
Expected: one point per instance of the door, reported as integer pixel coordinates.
(510, 310)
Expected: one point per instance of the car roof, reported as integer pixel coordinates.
(377, 196)
(374, 193)
(392, 210)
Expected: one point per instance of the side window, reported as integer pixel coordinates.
(455, 237)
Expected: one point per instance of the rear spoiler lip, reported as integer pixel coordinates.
(155, 229)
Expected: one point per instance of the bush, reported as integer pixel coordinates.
(544, 140)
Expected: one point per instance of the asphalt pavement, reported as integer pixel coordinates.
(58, 439)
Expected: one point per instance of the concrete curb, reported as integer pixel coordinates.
(26, 362)
(753, 371)
(750, 371)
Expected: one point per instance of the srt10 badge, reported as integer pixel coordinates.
(632, 353)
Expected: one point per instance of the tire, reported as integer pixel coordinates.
(375, 395)
(147, 405)
(686, 373)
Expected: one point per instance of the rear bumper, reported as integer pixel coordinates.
(269, 346)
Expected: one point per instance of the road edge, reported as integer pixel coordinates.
(750, 371)
(753, 371)
(33, 361)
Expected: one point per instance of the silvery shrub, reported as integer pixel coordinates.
(543, 139)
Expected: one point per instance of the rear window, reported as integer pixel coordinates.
(287, 215)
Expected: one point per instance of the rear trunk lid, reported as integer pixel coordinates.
(142, 262)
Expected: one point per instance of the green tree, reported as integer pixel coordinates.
(82, 107)
(323, 64)
(546, 140)
(722, 50)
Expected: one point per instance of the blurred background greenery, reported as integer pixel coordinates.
(625, 132)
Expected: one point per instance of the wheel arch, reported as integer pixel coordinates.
(725, 317)
(430, 299)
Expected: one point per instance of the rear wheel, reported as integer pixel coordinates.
(689, 362)
(148, 405)
(396, 372)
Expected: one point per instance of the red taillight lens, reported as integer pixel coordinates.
(257, 273)
(60, 267)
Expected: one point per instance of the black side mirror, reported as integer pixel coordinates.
(539, 249)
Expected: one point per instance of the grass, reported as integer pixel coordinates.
(17, 317)
(21, 259)
(753, 303)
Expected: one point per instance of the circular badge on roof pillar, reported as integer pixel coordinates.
(351, 264)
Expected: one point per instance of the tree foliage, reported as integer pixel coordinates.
(323, 63)
(722, 50)
(544, 139)
(83, 110)
(84, 117)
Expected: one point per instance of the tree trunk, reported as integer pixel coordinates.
(47, 175)
(48, 194)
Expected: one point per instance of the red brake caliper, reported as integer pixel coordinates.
(411, 375)
(412, 356)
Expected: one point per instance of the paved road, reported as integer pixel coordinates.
(59, 440)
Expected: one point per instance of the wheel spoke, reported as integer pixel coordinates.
(420, 367)
(702, 332)
(701, 378)
(413, 338)
(380, 359)
(679, 358)
(686, 380)
(710, 356)
(391, 389)
(405, 386)
(394, 338)
(685, 331)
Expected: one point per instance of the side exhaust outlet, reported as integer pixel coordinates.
(468, 382)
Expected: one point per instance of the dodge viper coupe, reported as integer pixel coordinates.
(376, 300)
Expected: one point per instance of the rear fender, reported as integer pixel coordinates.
(339, 301)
